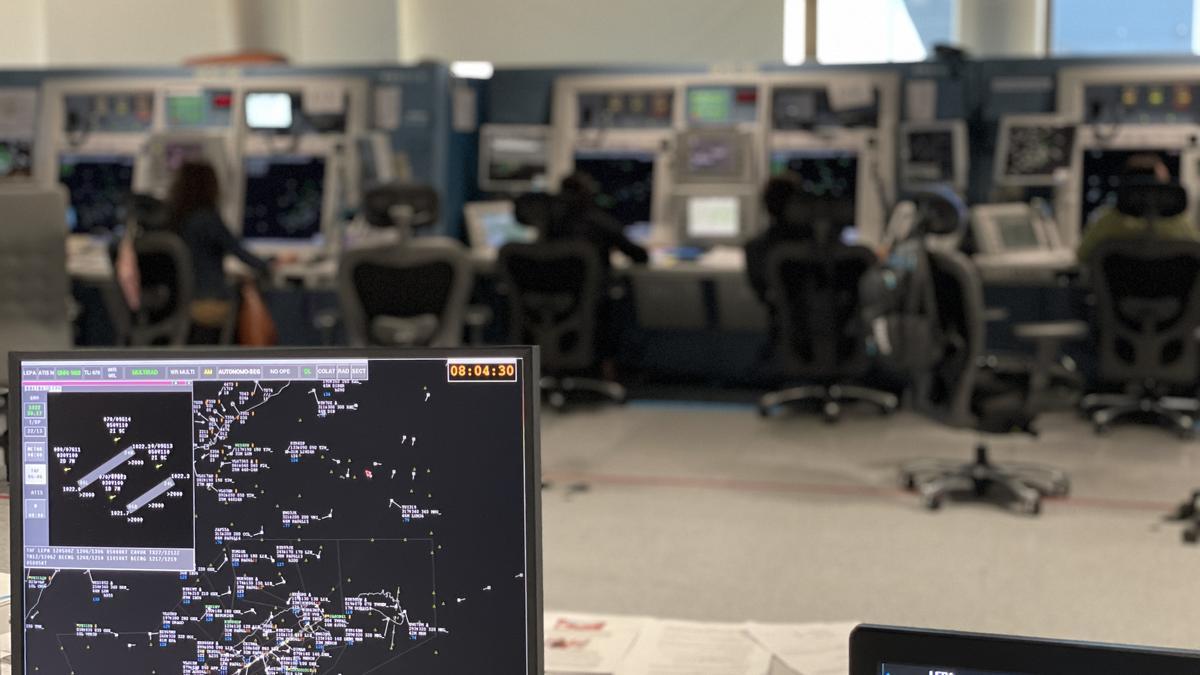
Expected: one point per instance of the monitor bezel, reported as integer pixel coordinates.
(742, 143)
(1180, 138)
(488, 133)
(96, 154)
(293, 98)
(958, 149)
(985, 224)
(658, 167)
(746, 201)
(330, 189)
(529, 357)
(872, 645)
(1003, 141)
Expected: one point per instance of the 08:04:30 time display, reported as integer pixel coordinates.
(474, 372)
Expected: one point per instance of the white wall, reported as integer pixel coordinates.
(345, 31)
(24, 40)
(1003, 28)
(135, 32)
(552, 32)
(100, 33)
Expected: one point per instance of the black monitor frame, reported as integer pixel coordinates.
(113, 158)
(871, 646)
(530, 374)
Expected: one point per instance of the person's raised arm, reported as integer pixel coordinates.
(232, 246)
(615, 237)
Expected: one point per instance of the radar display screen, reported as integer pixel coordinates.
(285, 196)
(277, 515)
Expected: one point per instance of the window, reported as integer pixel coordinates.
(871, 31)
(1122, 27)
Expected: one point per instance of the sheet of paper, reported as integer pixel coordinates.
(809, 648)
(18, 113)
(324, 98)
(465, 113)
(389, 107)
(850, 93)
(920, 100)
(5, 633)
(690, 648)
(588, 643)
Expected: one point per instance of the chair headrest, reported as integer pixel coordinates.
(421, 201)
(940, 210)
(534, 208)
(1147, 198)
(792, 206)
(149, 212)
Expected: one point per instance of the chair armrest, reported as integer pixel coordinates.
(1047, 336)
(1058, 331)
(995, 314)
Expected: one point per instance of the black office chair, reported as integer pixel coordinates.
(34, 287)
(1148, 313)
(412, 294)
(821, 338)
(963, 390)
(554, 292)
(167, 281)
(408, 207)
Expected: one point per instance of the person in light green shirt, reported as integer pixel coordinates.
(1111, 224)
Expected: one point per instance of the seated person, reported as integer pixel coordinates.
(576, 215)
(784, 198)
(1110, 224)
(789, 208)
(193, 214)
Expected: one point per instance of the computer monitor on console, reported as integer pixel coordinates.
(286, 200)
(1033, 150)
(885, 650)
(626, 180)
(99, 187)
(315, 512)
(827, 174)
(514, 158)
(934, 153)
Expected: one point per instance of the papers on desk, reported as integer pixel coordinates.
(88, 259)
(583, 644)
(810, 649)
(578, 644)
(692, 648)
(5, 631)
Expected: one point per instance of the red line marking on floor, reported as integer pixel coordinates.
(747, 485)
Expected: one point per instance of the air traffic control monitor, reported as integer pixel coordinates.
(282, 512)
(828, 174)
(514, 157)
(1033, 149)
(825, 174)
(934, 153)
(99, 186)
(626, 182)
(722, 105)
(284, 198)
(1102, 171)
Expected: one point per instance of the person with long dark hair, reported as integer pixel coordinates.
(194, 215)
(577, 216)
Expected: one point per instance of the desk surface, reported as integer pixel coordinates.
(90, 261)
(580, 644)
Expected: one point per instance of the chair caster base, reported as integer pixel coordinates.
(830, 399)
(1020, 487)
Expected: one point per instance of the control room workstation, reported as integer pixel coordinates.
(854, 337)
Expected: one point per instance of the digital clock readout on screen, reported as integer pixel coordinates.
(481, 372)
